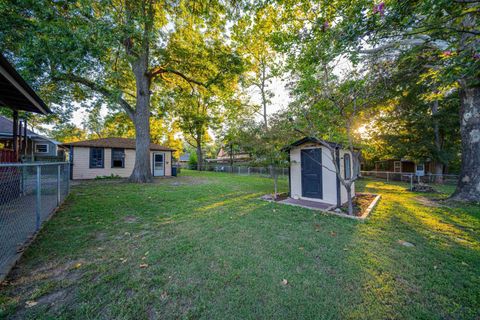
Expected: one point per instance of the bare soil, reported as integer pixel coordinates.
(360, 203)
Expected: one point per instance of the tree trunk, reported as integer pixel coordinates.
(274, 175)
(468, 187)
(142, 171)
(438, 145)
(350, 200)
(439, 172)
(199, 155)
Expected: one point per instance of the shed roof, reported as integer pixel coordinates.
(15, 93)
(312, 140)
(124, 143)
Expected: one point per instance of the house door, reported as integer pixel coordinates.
(158, 164)
(311, 162)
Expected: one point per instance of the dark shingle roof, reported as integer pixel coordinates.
(6, 126)
(124, 143)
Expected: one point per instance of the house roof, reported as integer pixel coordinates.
(124, 143)
(312, 140)
(185, 157)
(6, 129)
(15, 93)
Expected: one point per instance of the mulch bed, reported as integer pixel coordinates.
(360, 203)
(280, 197)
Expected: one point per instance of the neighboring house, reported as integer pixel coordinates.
(420, 168)
(114, 156)
(184, 159)
(33, 147)
(17, 95)
(312, 172)
(224, 156)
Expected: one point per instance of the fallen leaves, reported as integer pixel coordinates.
(284, 282)
(30, 303)
(143, 266)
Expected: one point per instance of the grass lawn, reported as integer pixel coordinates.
(204, 246)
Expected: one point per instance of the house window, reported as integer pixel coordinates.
(41, 148)
(96, 157)
(397, 166)
(347, 167)
(118, 158)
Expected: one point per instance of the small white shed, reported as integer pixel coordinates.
(312, 174)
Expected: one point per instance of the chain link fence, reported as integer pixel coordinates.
(411, 177)
(29, 193)
(246, 170)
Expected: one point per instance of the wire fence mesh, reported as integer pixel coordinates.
(244, 170)
(412, 177)
(29, 193)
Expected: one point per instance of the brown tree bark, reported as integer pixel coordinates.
(199, 153)
(438, 144)
(468, 187)
(142, 172)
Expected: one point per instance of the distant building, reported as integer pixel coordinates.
(224, 156)
(114, 156)
(34, 147)
(184, 158)
(17, 95)
(403, 165)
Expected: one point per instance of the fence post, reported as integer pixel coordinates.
(248, 171)
(411, 182)
(58, 185)
(387, 176)
(38, 200)
(68, 177)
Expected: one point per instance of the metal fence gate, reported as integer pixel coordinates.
(29, 193)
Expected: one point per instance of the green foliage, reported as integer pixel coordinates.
(192, 160)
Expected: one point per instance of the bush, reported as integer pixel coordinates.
(192, 161)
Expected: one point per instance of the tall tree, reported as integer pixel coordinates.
(116, 50)
(252, 35)
(356, 29)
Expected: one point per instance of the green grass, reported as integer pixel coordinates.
(214, 250)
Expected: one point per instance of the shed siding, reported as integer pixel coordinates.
(329, 177)
(81, 164)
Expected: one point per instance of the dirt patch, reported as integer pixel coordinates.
(271, 197)
(57, 297)
(361, 202)
(423, 188)
(130, 219)
(427, 202)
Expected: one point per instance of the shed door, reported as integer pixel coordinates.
(158, 164)
(312, 173)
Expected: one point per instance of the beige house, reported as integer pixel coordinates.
(312, 173)
(114, 156)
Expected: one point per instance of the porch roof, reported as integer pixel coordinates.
(15, 93)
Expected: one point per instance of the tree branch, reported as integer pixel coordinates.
(98, 88)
